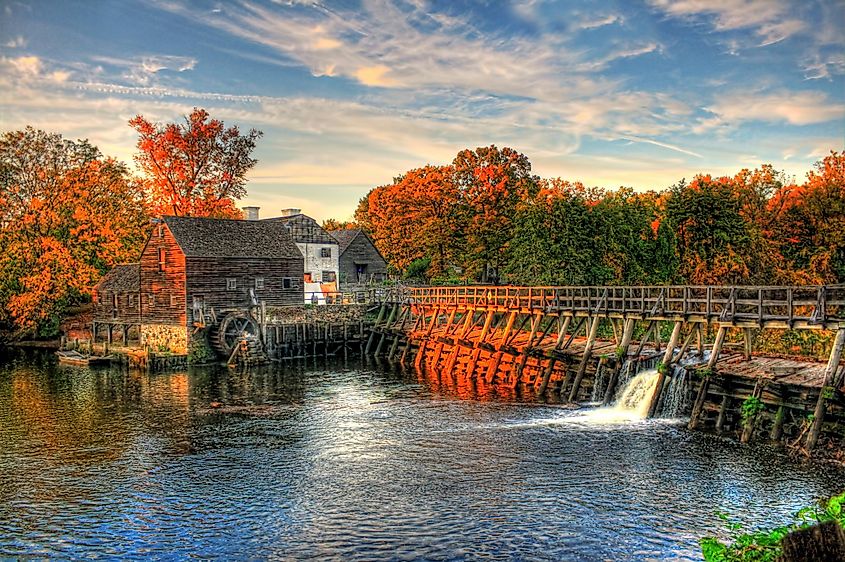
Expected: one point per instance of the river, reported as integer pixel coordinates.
(354, 462)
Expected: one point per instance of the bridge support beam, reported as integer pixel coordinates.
(585, 359)
(705, 384)
(830, 371)
(664, 368)
(621, 357)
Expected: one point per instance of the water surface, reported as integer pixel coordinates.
(356, 463)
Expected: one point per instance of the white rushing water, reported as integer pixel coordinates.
(633, 402)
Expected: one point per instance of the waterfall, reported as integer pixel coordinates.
(633, 402)
(630, 369)
(675, 400)
(599, 384)
(637, 394)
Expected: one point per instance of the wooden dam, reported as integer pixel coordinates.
(580, 344)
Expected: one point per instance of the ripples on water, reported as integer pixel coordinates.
(355, 463)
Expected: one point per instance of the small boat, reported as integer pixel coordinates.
(75, 358)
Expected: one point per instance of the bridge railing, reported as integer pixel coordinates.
(814, 305)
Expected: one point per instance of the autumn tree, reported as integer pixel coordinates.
(334, 224)
(809, 223)
(67, 214)
(195, 168)
(415, 218)
(491, 183)
(711, 231)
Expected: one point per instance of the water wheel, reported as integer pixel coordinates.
(234, 326)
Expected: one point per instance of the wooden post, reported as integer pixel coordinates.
(665, 366)
(437, 351)
(829, 372)
(699, 339)
(746, 336)
(627, 335)
(547, 374)
(588, 351)
(777, 427)
(685, 346)
(493, 366)
(561, 334)
(420, 354)
(749, 424)
(705, 384)
(373, 330)
(723, 410)
(487, 322)
(507, 331)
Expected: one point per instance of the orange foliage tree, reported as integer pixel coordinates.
(67, 215)
(809, 224)
(415, 218)
(195, 168)
(491, 182)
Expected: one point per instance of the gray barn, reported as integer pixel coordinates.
(360, 261)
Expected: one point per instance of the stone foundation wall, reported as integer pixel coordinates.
(332, 314)
(165, 337)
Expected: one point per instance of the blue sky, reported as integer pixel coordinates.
(350, 94)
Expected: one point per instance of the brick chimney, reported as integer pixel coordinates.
(290, 212)
(250, 213)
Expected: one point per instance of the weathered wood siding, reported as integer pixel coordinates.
(124, 309)
(208, 279)
(163, 292)
(361, 251)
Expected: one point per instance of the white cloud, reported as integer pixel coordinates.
(27, 66)
(599, 21)
(157, 63)
(794, 108)
(15, 42)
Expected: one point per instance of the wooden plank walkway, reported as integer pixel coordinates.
(800, 307)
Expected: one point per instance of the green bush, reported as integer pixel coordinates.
(764, 545)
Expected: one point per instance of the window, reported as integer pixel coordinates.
(160, 231)
(259, 282)
(231, 284)
(287, 283)
(325, 252)
(115, 301)
(162, 265)
(172, 300)
(131, 299)
(152, 300)
(329, 276)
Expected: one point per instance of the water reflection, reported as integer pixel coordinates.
(355, 462)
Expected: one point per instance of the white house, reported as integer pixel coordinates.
(318, 247)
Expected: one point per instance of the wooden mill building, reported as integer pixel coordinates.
(195, 270)
(359, 261)
(117, 304)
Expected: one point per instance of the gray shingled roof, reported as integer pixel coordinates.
(229, 238)
(345, 237)
(304, 229)
(123, 278)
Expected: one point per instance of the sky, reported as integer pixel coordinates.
(350, 94)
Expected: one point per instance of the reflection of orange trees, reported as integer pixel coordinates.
(66, 420)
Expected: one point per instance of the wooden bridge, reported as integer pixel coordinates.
(556, 339)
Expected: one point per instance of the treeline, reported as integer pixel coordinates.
(487, 218)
